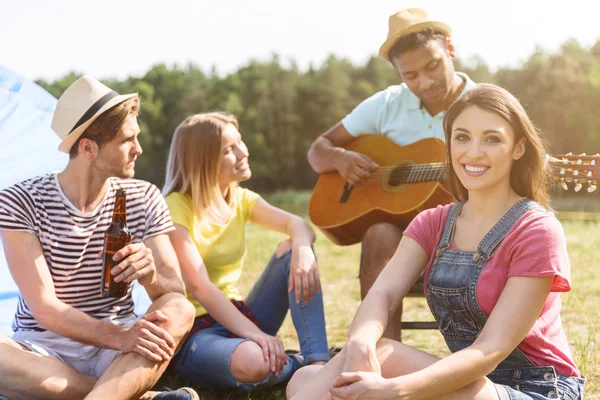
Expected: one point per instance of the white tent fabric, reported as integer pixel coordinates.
(28, 147)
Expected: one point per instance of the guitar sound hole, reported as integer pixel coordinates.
(396, 177)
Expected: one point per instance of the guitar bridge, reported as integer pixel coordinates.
(346, 194)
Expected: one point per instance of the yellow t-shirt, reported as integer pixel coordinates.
(221, 246)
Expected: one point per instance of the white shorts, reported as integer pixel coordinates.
(85, 358)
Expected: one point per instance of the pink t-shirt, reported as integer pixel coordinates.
(534, 246)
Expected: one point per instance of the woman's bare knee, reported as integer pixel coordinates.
(248, 363)
(300, 378)
(385, 347)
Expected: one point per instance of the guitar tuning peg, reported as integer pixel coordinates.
(582, 154)
(579, 162)
(577, 187)
(593, 162)
(591, 188)
(569, 154)
(564, 185)
(562, 171)
(576, 172)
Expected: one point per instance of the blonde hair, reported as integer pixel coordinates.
(529, 176)
(194, 163)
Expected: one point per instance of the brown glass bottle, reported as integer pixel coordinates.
(116, 237)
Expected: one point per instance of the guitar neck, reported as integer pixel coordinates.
(415, 173)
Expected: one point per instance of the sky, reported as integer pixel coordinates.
(117, 38)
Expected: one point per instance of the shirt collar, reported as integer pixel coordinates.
(469, 84)
(413, 103)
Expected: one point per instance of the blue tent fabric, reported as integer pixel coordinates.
(28, 148)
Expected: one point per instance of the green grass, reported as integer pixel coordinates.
(339, 267)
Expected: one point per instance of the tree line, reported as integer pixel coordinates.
(282, 109)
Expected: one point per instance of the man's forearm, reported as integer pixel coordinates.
(322, 155)
(68, 321)
(167, 278)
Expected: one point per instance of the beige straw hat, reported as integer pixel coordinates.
(84, 101)
(408, 21)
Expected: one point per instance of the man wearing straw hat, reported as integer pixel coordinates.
(421, 51)
(69, 341)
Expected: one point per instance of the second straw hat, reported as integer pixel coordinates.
(407, 21)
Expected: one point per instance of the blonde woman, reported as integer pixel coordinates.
(233, 342)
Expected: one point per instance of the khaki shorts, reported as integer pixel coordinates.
(85, 358)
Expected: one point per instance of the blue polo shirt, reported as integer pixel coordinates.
(397, 113)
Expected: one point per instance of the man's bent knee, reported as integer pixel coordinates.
(383, 231)
(378, 246)
(248, 363)
(180, 311)
(186, 312)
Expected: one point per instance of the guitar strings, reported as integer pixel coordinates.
(416, 169)
(409, 168)
(403, 173)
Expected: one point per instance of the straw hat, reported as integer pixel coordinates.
(408, 21)
(84, 101)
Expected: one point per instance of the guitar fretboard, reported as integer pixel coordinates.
(416, 173)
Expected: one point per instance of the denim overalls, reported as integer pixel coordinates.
(451, 296)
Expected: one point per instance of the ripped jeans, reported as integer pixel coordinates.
(205, 357)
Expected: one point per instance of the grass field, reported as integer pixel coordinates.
(339, 267)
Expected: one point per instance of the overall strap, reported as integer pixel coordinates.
(449, 227)
(494, 237)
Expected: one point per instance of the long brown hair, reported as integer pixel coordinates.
(529, 176)
(194, 163)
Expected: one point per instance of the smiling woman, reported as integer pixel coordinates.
(492, 143)
(233, 343)
(494, 264)
(482, 156)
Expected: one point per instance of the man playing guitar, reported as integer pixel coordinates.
(421, 51)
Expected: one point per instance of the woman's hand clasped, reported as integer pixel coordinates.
(304, 274)
(361, 386)
(361, 374)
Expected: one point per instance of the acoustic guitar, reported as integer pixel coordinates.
(410, 179)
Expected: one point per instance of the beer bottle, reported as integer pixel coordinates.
(116, 237)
